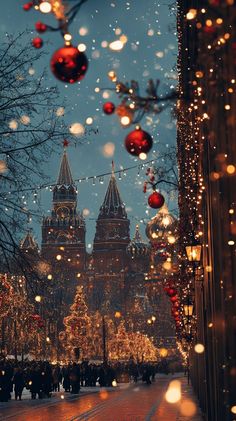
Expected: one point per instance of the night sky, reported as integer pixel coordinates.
(150, 52)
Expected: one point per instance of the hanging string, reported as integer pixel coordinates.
(100, 177)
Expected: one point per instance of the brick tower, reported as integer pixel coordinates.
(63, 232)
(112, 232)
(110, 259)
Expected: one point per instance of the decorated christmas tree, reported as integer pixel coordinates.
(78, 334)
(142, 348)
(124, 345)
(119, 344)
(22, 329)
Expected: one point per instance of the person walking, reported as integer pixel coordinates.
(75, 378)
(56, 378)
(35, 382)
(19, 383)
(66, 378)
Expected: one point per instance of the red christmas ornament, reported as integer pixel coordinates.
(37, 42)
(40, 27)
(171, 292)
(173, 299)
(27, 6)
(68, 64)
(108, 108)
(156, 200)
(138, 141)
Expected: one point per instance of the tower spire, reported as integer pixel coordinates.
(113, 168)
(65, 177)
(28, 242)
(113, 206)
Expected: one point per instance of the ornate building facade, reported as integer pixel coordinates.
(114, 275)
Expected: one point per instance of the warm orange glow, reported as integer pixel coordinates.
(188, 408)
(199, 348)
(173, 394)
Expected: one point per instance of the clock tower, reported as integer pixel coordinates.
(63, 232)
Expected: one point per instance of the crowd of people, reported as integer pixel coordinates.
(42, 378)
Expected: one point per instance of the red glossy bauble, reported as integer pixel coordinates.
(176, 305)
(108, 108)
(174, 299)
(156, 200)
(40, 27)
(68, 64)
(171, 292)
(37, 42)
(27, 6)
(138, 141)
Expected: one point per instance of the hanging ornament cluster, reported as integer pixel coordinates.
(68, 63)
(172, 293)
(133, 106)
(156, 200)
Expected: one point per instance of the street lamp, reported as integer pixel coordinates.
(193, 251)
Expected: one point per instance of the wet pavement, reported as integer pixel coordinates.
(134, 402)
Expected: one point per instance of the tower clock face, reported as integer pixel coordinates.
(63, 212)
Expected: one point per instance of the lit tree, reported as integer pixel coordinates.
(123, 345)
(78, 327)
(119, 344)
(22, 330)
(142, 348)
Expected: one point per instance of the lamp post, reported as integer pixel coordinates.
(188, 313)
(193, 252)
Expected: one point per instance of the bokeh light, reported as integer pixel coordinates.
(77, 129)
(108, 149)
(199, 348)
(188, 408)
(173, 394)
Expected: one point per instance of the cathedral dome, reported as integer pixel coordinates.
(161, 226)
(137, 247)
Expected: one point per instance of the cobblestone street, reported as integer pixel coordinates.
(135, 402)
